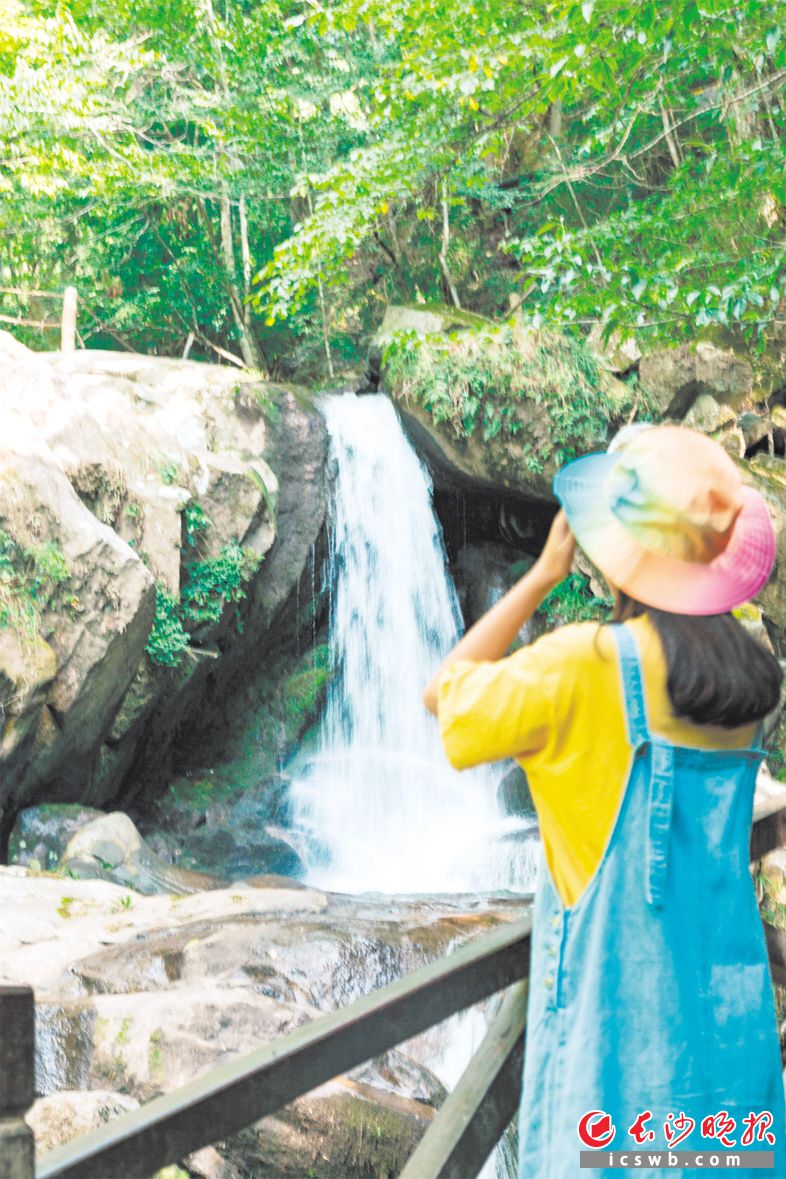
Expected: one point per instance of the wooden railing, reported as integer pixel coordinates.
(232, 1096)
(66, 323)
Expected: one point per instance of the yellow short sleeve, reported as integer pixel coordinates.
(492, 709)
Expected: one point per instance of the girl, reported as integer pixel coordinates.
(651, 1025)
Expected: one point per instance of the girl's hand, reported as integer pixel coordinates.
(557, 557)
(491, 635)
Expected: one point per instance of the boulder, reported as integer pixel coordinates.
(94, 620)
(42, 833)
(514, 793)
(122, 471)
(342, 1130)
(68, 1114)
(768, 357)
(732, 439)
(707, 415)
(726, 376)
(111, 848)
(422, 319)
(674, 377)
(230, 822)
(778, 417)
(234, 845)
(756, 429)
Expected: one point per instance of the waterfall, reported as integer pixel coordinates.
(381, 806)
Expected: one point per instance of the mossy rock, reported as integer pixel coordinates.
(503, 405)
(303, 692)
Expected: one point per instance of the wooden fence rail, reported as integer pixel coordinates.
(67, 320)
(232, 1096)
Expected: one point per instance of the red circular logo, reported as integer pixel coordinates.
(596, 1129)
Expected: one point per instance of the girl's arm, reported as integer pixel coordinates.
(492, 634)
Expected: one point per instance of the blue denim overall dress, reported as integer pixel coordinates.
(653, 991)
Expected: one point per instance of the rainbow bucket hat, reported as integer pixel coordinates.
(667, 518)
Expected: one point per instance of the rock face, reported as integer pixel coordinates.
(209, 708)
(675, 377)
(619, 354)
(135, 999)
(483, 573)
(86, 637)
(707, 415)
(149, 509)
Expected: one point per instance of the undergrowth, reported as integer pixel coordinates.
(573, 601)
(209, 585)
(31, 578)
(477, 381)
(214, 582)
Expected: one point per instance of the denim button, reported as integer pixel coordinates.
(556, 922)
(548, 980)
(552, 950)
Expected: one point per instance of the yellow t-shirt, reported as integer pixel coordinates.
(557, 707)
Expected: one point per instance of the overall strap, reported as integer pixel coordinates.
(660, 787)
(633, 690)
(659, 807)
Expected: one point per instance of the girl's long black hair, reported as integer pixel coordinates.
(718, 673)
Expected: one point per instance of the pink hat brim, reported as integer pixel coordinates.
(667, 583)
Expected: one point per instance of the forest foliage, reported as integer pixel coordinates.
(257, 181)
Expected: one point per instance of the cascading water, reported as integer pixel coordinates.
(380, 803)
(380, 806)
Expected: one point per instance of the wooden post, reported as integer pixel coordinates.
(68, 323)
(474, 1115)
(17, 1148)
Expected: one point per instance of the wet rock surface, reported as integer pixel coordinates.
(68, 1114)
(138, 994)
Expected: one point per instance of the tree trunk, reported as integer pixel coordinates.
(443, 253)
(672, 142)
(241, 312)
